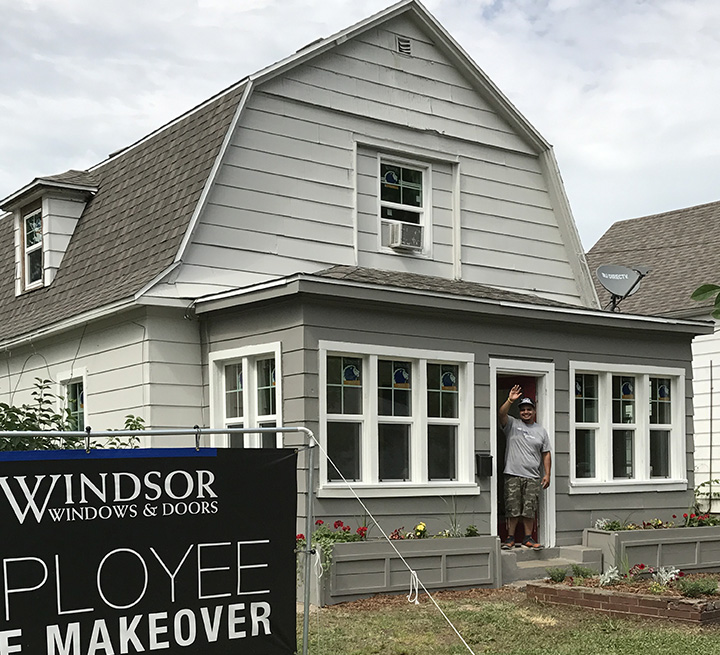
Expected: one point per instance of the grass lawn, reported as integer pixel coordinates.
(498, 621)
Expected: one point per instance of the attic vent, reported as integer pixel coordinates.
(404, 46)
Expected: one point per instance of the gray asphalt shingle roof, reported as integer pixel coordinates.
(434, 284)
(679, 246)
(132, 228)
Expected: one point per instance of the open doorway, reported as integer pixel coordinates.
(529, 390)
(538, 383)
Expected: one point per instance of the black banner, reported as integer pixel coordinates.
(134, 551)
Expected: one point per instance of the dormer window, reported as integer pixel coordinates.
(33, 249)
(45, 213)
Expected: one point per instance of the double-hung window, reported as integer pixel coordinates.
(395, 421)
(32, 248)
(404, 196)
(75, 399)
(245, 388)
(70, 392)
(627, 428)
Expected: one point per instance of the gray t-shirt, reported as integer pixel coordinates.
(525, 443)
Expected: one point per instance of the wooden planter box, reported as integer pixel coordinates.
(615, 603)
(363, 568)
(689, 549)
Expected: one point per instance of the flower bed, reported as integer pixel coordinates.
(351, 566)
(690, 548)
(628, 602)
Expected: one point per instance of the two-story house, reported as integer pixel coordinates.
(367, 239)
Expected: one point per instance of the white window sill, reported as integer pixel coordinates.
(629, 486)
(397, 489)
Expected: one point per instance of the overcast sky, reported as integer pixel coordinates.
(627, 91)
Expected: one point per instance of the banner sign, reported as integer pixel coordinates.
(134, 551)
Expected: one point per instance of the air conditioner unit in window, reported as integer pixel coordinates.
(406, 236)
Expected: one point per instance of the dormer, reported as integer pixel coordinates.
(45, 214)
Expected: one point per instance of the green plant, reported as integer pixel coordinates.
(40, 416)
(610, 577)
(656, 587)
(472, 531)
(132, 422)
(698, 587)
(556, 573)
(324, 538)
(665, 575)
(693, 520)
(580, 571)
(419, 532)
(615, 525)
(706, 292)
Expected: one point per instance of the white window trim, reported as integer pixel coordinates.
(217, 361)
(603, 482)
(425, 213)
(545, 401)
(65, 378)
(420, 486)
(23, 283)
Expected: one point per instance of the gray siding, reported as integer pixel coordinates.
(301, 327)
(145, 363)
(297, 190)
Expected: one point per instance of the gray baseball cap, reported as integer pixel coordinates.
(526, 401)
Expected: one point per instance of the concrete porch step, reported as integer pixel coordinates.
(525, 564)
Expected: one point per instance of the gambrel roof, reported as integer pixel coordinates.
(132, 228)
(679, 246)
(149, 196)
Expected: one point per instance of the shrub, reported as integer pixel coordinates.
(472, 531)
(556, 574)
(698, 587)
(579, 571)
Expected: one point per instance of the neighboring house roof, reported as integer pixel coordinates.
(681, 249)
(131, 230)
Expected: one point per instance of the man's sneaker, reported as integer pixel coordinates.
(508, 544)
(529, 542)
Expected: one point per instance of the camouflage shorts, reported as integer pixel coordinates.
(521, 496)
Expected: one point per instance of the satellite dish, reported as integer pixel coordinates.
(620, 281)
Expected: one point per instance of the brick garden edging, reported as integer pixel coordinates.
(616, 603)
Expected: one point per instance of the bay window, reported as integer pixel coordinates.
(627, 430)
(393, 419)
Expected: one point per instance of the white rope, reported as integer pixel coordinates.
(416, 580)
(318, 564)
(413, 595)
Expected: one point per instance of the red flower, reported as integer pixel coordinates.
(692, 516)
(299, 537)
(346, 528)
(684, 516)
(681, 574)
(319, 522)
(641, 566)
(338, 524)
(674, 516)
(362, 531)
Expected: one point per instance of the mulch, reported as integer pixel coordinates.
(382, 601)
